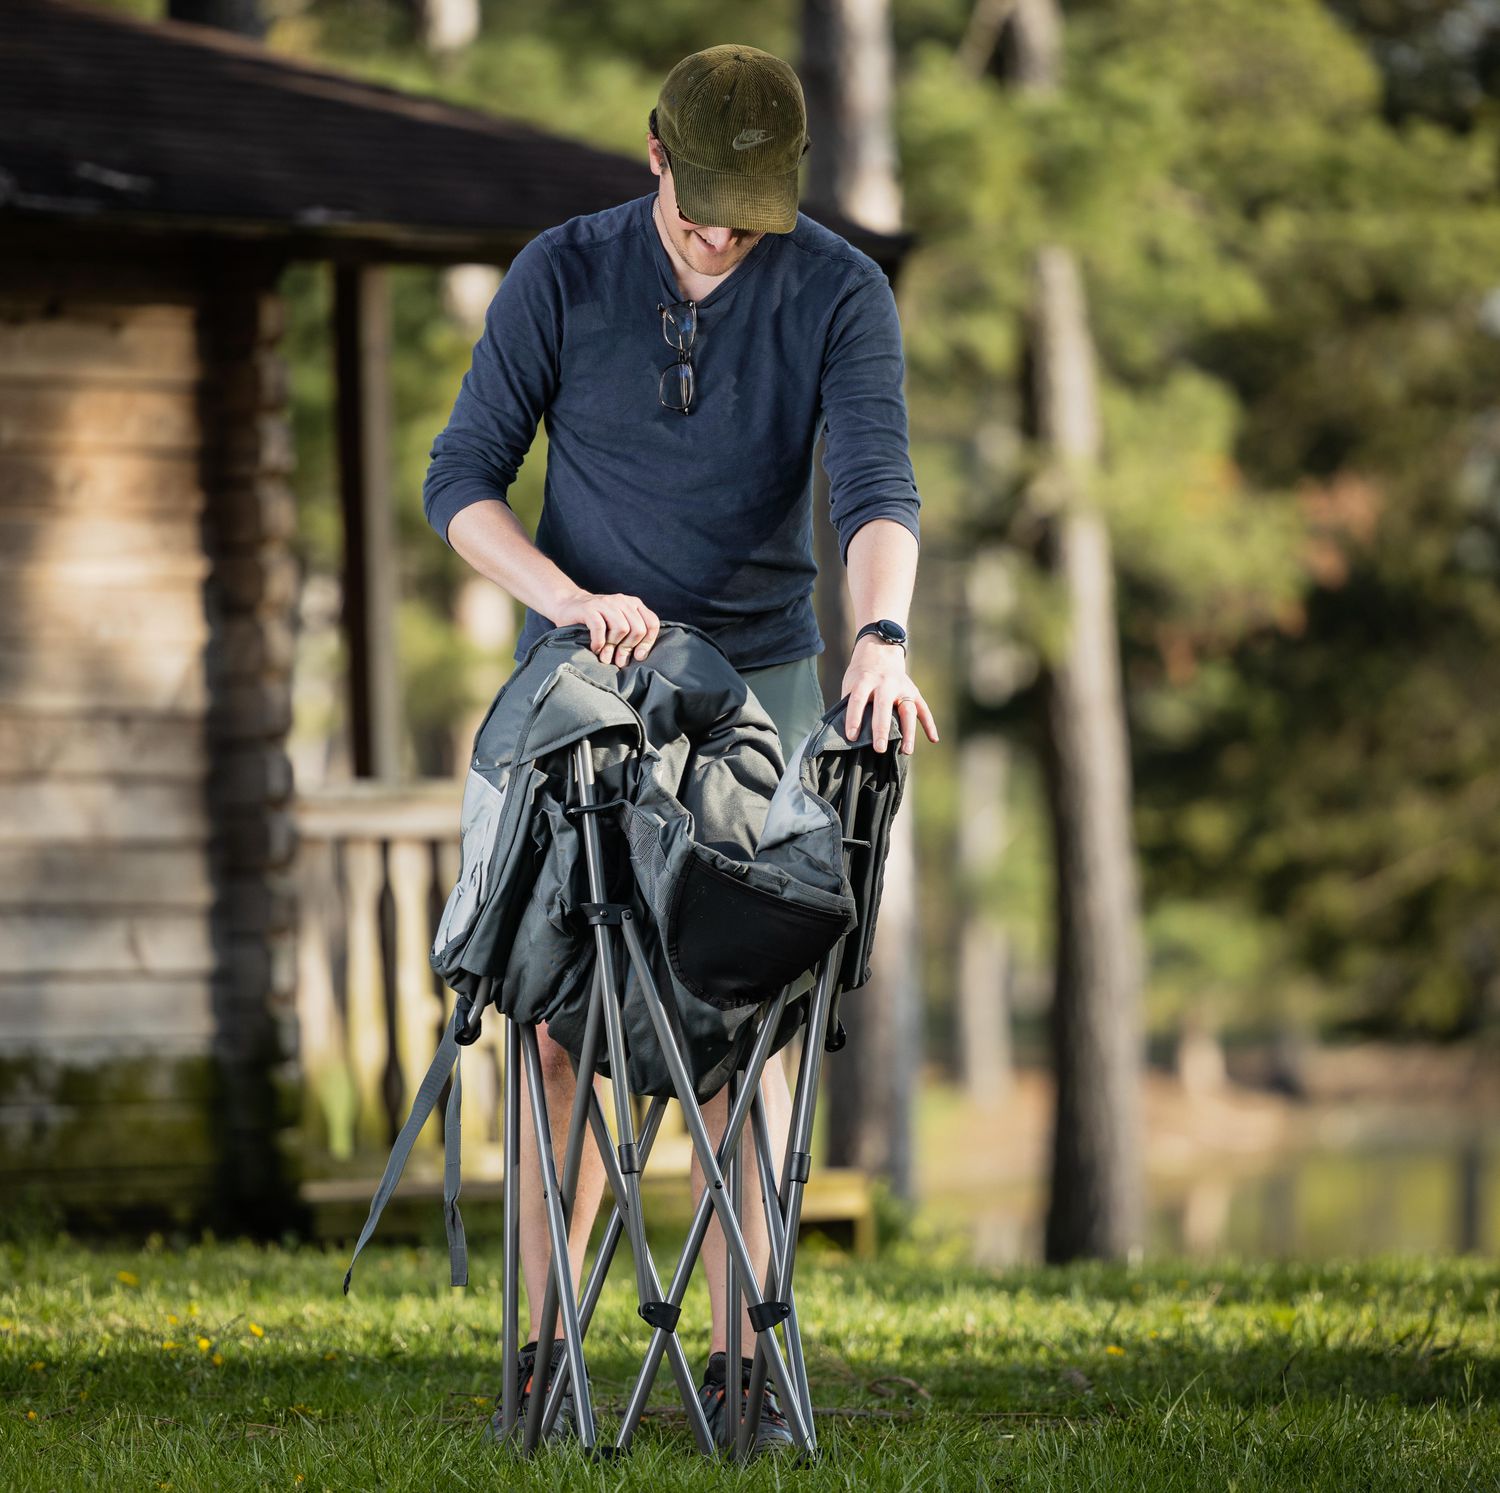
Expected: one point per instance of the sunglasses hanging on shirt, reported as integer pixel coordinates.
(679, 325)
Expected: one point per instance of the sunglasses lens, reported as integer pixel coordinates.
(676, 390)
(679, 325)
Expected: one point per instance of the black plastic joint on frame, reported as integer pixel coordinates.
(660, 1314)
(630, 1158)
(801, 1167)
(602, 912)
(467, 1028)
(768, 1314)
(836, 1039)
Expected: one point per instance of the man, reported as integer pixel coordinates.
(681, 371)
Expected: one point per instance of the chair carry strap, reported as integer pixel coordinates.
(444, 1062)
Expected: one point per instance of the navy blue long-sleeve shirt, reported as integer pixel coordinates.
(707, 517)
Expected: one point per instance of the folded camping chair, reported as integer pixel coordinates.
(658, 942)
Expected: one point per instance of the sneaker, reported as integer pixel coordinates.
(564, 1424)
(772, 1435)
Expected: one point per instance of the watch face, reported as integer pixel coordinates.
(892, 632)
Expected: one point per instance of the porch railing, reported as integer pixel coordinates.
(375, 865)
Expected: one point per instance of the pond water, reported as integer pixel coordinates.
(1372, 1199)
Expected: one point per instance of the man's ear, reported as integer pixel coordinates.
(654, 155)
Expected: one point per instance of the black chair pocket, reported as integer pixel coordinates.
(733, 944)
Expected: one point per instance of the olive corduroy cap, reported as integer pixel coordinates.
(733, 122)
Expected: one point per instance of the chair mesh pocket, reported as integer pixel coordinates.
(734, 944)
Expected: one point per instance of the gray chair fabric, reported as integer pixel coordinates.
(735, 867)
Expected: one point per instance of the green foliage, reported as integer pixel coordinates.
(1216, 963)
(1286, 292)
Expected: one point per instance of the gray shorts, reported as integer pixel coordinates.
(791, 696)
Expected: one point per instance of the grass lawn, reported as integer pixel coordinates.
(226, 1366)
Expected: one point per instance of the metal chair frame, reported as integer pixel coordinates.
(770, 1302)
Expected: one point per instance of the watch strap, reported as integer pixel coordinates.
(874, 627)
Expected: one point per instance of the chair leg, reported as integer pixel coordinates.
(770, 1195)
(614, 1230)
(714, 1184)
(798, 1164)
(509, 1335)
(584, 1071)
(681, 1369)
(729, 1433)
(561, 1267)
(794, 1174)
(698, 1229)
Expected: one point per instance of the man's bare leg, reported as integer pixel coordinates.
(559, 1087)
(778, 1102)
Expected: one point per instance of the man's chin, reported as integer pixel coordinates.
(713, 264)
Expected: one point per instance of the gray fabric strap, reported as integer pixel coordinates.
(445, 1061)
(458, 1249)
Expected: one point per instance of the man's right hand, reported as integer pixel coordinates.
(620, 627)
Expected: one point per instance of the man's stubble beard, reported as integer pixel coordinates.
(721, 263)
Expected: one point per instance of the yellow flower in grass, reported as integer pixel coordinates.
(173, 1320)
(169, 1346)
(204, 1344)
(37, 1366)
(31, 1415)
(256, 1330)
(1116, 1350)
(126, 1278)
(217, 1360)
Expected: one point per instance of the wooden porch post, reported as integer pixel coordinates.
(362, 353)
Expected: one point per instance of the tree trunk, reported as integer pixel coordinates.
(1096, 1191)
(983, 1014)
(446, 25)
(847, 72)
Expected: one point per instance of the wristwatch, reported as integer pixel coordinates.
(886, 630)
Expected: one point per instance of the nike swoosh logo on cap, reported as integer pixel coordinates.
(746, 138)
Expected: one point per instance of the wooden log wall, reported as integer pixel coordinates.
(144, 663)
(251, 597)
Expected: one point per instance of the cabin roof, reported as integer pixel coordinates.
(110, 121)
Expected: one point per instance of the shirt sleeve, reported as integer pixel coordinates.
(511, 380)
(865, 443)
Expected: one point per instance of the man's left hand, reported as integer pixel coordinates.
(877, 672)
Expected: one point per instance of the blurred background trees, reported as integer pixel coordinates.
(1285, 225)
